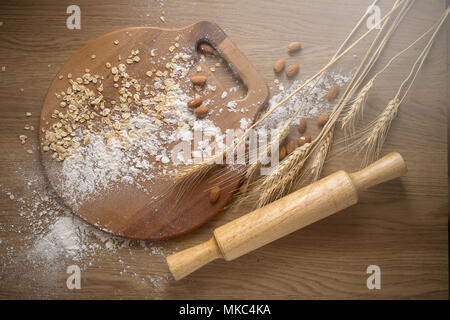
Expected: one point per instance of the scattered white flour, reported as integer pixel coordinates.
(315, 104)
(52, 238)
(231, 105)
(224, 95)
(61, 240)
(245, 123)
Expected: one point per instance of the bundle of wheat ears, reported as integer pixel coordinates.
(305, 163)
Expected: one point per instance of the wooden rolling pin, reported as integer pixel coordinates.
(288, 214)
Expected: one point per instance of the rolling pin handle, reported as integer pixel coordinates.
(387, 168)
(187, 261)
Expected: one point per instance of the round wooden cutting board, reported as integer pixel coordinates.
(144, 205)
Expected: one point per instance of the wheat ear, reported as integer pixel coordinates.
(192, 173)
(269, 188)
(356, 108)
(187, 178)
(319, 154)
(287, 174)
(254, 167)
(318, 159)
(375, 139)
(279, 182)
(376, 135)
(313, 167)
(254, 195)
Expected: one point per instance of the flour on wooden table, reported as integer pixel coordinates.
(53, 238)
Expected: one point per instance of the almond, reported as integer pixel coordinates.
(201, 111)
(206, 48)
(303, 140)
(322, 119)
(290, 146)
(214, 194)
(198, 80)
(279, 65)
(302, 125)
(194, 103)
(294, 47)
(333, 92)
(281, 153)
(292, 70)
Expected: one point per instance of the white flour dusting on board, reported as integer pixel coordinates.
(132, 147)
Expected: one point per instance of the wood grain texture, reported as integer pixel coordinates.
(401, 226)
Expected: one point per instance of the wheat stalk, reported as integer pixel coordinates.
(375, 139)
(375, 135)
(317, 159)
(421, 59)
(319, 156)
(269, 188)
(356, 108)
(185, 179)
(278, 183)
(254, 167)
(281, 181)
(201, 169)
(349, 119)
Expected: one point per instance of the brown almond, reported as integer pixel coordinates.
(194, 103)
(279, 65)
(333, 92)
(290, 146)
(302, 125)
(322, 119)
(206, 48)
(201, 111)
(294, 46)
(214, 194)
(281, 153)
(303, 140)
(292, 70)
(198, 80)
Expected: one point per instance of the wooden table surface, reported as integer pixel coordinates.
(401, 226)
